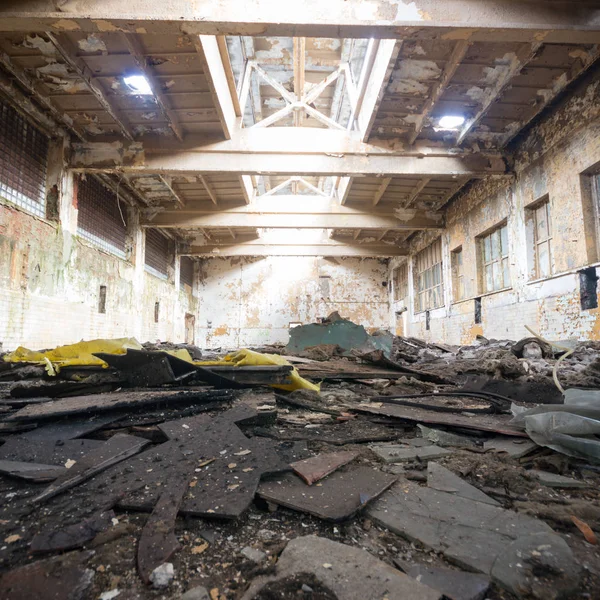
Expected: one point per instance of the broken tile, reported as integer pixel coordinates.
(515, 448)
(30, 471)
(253, 554)
(63, 577)
(455, 585)
(315, 468)
(471, 534)
(445, 438)
(441, 479)
(348, 572)
(73, 536)
(396, 453)
(557, 481)
(336, 498)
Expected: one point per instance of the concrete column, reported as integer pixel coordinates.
(138, 240)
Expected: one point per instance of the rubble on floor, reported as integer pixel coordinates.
(131, 470)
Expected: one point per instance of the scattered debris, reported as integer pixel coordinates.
(315, 468)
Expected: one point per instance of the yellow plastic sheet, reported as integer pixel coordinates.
(73, 354)
(249, 357)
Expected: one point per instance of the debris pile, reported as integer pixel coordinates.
(400, 470)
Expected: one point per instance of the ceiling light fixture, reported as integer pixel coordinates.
(138, 84)
(451, 122)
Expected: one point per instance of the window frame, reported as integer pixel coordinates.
(428, 276)
(458, 274)
(502, 259)
(400, 282)
(533, 218)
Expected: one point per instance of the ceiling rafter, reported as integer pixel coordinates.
(416, 191)
(168, 182)
(458, 53)
(137, 52)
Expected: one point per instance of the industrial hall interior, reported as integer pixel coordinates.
(299, 300)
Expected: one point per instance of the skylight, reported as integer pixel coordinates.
(138, 84)
(451, 122)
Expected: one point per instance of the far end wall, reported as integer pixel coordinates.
(254, 301)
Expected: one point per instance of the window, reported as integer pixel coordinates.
(538, 219)
(156, 311)
(101, 219)
(325, 286)
(186, 272)
(458, 280)
(400, 279)
(157, 256)
(23, 162)
(429, 284)
(494, 260)
(102, 300)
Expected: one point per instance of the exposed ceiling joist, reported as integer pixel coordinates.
(525, 54)
(168, 182)
(454, 60)
(418, 189)
(381, 190)
(68, 52)
(497, 20)
(209, 189)
(137, 52)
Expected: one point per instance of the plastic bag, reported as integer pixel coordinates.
(570, 428)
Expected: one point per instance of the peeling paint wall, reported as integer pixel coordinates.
(50, 283)
(252, 301)
(556, 157)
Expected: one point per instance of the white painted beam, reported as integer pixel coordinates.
(381, 190)
(341, 250)
(208, 50)
(484, 20)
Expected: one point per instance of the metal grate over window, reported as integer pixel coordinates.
(23, 161)
(157, 253)
(102, 219)
(186, 272)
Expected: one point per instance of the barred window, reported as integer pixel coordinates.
(157, 253)
(429, 284)
(102, 219)
(23, 161)
(494, 274)
(186, 272)
(400, 279)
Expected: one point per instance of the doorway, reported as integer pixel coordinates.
(190, 329)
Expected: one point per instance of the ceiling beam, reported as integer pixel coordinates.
(342, 250)
(209, 52)
(299, 75)
(226, 60)
(454, 60)
(486, 20)
(168, 182)
(248, 188)
(524, 54)
(381, 190)
(295, 219)
(137, 52)
(117, 156)
(303, 140)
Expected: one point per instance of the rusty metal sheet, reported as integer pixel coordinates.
(339, 497)
(315, 468)
(64, 577)
(73, 536)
